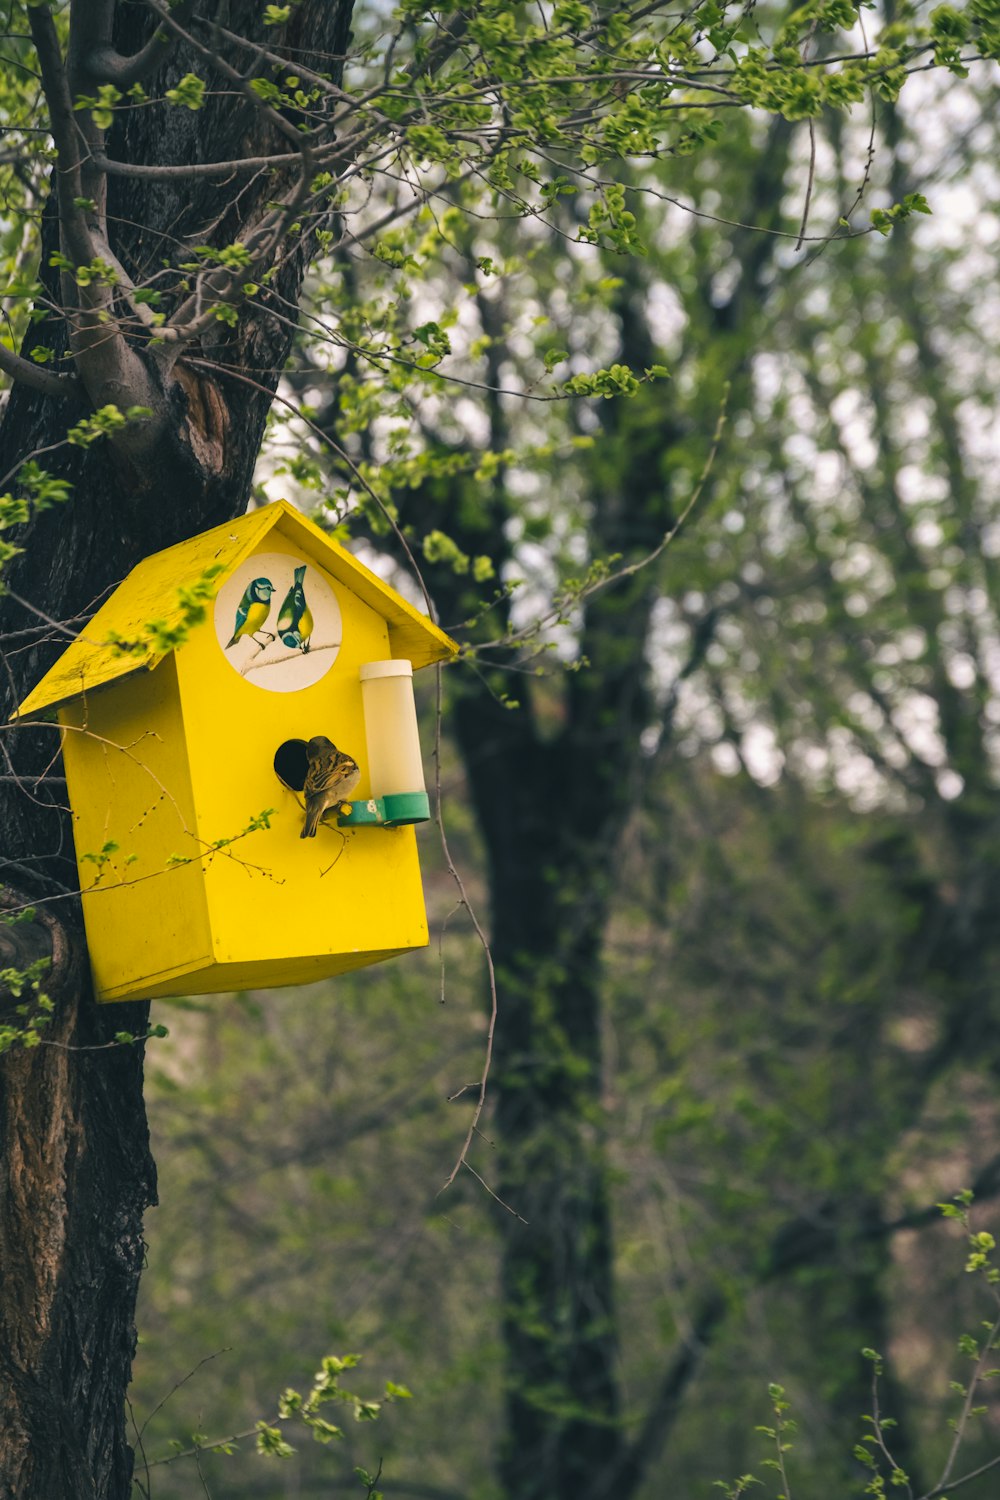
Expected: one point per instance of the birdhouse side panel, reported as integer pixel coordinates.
(138, 854)
(273, 895)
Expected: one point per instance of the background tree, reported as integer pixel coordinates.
(575, 740)
(834, 1220)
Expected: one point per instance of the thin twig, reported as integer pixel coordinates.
(988, 1349)
(630, 569)
(954, 1484)
(177, 1385)
(492, 1194)
(880, 1435)
(462, 1159)
(809, 185)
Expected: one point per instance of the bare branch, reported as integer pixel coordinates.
(809, 185)
(964, 1479)
(216, 285)
(462, 1159)
(195, 169)
(231, 74)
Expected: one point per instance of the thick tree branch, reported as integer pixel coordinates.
(46, 382)
(111, 372)
(69, 185)
(104, 64)
(166, 173)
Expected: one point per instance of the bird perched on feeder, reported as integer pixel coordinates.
(295, 617)
(253, 609)
(330, 780)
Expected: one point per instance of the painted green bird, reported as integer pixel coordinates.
(331, 777)
(295, 617)
(253, 609)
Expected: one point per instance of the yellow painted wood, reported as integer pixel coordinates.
(128, 783)
(371, 898)
(214, 979)
(150, 592)
(167, 768)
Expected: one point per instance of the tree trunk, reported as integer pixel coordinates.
(552, 801)
(552, 813)
(76, 1173)
(562, 1421)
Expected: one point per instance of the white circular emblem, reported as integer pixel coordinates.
(278, 622)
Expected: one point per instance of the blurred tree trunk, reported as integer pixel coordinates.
(552, 813)
(554, 778)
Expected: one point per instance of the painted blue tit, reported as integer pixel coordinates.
(253, 609)
(331, 777)
(295, 616)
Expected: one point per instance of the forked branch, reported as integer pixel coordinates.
(104, 64)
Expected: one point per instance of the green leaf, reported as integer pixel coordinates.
(190, 92)
(271, 1442)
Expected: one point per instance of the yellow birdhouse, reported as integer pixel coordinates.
(198, 760)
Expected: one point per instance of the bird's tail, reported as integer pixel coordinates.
(309, 827)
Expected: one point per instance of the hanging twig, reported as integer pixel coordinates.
(809, 185)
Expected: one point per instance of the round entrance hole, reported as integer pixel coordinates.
(291, 764)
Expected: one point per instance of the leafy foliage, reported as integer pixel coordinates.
(563, 288)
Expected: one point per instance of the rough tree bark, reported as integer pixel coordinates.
(76, 1173)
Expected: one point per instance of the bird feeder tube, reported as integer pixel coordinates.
(395, 767)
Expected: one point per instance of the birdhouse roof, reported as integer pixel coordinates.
(152, 593)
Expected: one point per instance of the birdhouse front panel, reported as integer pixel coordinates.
(346, 892)
(227, 830)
